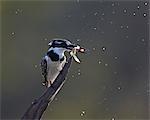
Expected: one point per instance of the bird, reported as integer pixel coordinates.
(54, 60)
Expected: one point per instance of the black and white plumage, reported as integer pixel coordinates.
(54, 60)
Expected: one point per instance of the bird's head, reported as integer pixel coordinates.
(63, 45)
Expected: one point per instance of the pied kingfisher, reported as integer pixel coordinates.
(55, 59)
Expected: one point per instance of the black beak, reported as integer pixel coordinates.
(77, 47)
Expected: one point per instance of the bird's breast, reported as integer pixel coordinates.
(54, 69)
(56, 65)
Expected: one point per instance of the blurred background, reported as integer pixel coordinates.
(112, 80)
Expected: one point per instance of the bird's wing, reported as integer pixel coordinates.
(44, 69)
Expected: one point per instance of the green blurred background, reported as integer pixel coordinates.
(112, 80)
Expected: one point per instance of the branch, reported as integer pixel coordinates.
(38, 106)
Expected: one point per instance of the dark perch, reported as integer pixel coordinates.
(38, 106)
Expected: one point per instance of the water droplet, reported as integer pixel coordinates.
(20, 10)
(143, 40)
(79, 73)
(45, 39)
(13, 33)
(121, 26)
(125, 11)
(112, 118)
(35, 66)
(103, 48)
(99, 62)
(72, 76)
(134, 13)
(144, 14)
(113, 4)
(113, 12)
(119, 88)
(78, 40)
(95, 13)
(105, 99)
(82, 113)
(138, 7)
(115, 72)
(145, 3)
(127, 36)
(106, 64)
(78, 1)
(94, 28)
(116, 57)
(94, 48)
(103, 14)
(17, 11)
